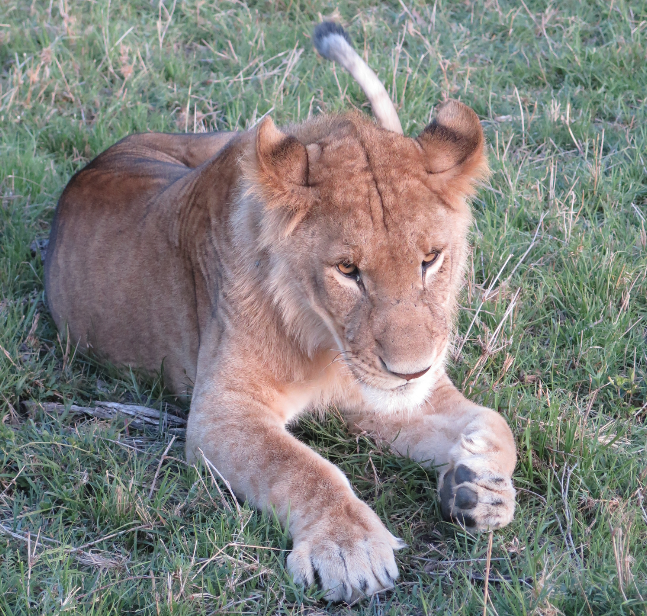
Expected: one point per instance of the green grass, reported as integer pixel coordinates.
(559, 344)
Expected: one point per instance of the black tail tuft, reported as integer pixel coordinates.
(323, 31)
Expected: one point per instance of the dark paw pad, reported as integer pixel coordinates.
(446, 495)
(464, 474)
(455, 501)
(466, 498)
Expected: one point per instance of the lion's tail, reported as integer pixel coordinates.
(332, 42)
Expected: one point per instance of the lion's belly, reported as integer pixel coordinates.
(115, 281)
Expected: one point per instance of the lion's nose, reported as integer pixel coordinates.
(406, 377)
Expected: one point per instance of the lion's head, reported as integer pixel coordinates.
(365, 235)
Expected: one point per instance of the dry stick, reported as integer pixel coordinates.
(8, 356)
(641, 409)
(523, 124)
(568, 125)
(489, 348)
(210, 465)
(188, 109)
(12, 481)
(568, 538)
(213, 479)
(140, 416)
(60, 68)
(240, 77)
(291, 61)
(71, 548)
(159, 467)
(78, 552)
(618, 552)
(128, 579)
(455, 562)
(157, 605)
(30, 562)
(487, 573)
(204, 486)
(525, 254)
(6, 531)
(123, 36)
(210, 560)
(261, 118)
(495, 335)
(485, 297)
(113, 535)
(342, 94)
(161, 34)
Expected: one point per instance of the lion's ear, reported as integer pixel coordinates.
(454, 148)
(281, 174)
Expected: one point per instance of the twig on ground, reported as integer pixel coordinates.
(113, 535)
(2, 496)
(128, 579)
(525, 254)
(568, 538)
(640, 503)
(487, 573)
(139, 417)
(455, 562)
(159, 467)
(210, 467)
(476, 314)
(86, 558)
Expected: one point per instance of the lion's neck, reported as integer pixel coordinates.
(239, 283)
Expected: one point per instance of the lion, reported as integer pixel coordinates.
(276, 271)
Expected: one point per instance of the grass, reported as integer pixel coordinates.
(557, 343)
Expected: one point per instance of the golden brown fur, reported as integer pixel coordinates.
(217, 257)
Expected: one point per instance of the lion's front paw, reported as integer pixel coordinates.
(348, 551)
(476, 497)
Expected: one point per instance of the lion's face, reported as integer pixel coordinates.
(377, 254)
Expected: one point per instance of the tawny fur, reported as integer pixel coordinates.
(215, 257)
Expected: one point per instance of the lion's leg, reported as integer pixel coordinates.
(234, 421)
(472, 445)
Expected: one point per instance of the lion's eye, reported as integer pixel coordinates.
(430, 259)
(348, 269)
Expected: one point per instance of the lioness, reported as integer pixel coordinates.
(275, 271)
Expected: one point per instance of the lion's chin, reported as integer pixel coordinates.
(405, 398)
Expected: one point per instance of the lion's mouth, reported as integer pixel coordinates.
(407, 377)
(386, 381)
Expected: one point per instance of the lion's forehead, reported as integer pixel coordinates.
(359, 216)
(376, 197)
(358, 181)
